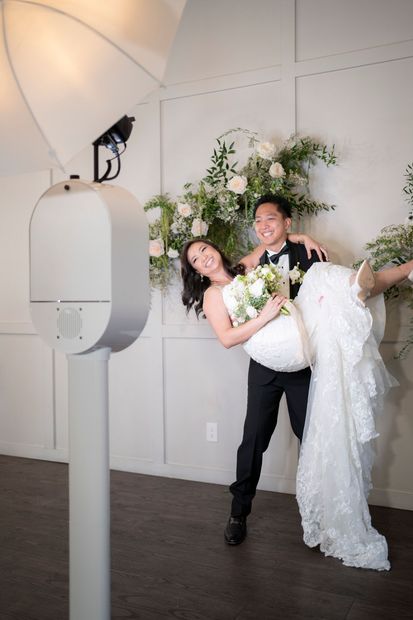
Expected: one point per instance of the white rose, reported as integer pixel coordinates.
(251, 311)
(173, 253)
(199, 228)
(257, 288)
(237, 184)
(184, 209)
(276, 170)
(238, 287)
(266, 150)
(156, 247)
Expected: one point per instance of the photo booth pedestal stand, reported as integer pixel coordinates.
(89, 486)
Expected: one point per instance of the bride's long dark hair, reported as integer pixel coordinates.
(195, 285)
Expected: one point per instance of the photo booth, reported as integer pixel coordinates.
(70, 68)
(89, 295)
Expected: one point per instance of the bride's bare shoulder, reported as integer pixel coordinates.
(213, 298)
(213, 292)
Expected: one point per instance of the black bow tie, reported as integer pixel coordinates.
(274, 258)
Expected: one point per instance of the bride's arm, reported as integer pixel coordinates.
(229, 336)
(252, 260)
(310, 244)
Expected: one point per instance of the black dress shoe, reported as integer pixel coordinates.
(235, 530)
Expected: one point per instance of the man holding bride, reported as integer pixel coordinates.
(341, 397)
(267, 386)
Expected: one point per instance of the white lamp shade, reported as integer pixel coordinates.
(69, 69)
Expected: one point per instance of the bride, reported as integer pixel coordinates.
(333, 328)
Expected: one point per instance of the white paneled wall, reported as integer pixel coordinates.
(330, 27)
(340, 72)
(18, 196)
(221, 38)
(26, 405)
(191, 124)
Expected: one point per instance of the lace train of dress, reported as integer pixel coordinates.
(349, 381)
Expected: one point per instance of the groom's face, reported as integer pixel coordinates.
(271, 226)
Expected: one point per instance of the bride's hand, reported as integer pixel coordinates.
(310, 244)
(272, 308)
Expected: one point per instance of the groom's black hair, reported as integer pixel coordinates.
(277, 200)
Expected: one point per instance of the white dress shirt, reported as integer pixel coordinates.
(284, 266)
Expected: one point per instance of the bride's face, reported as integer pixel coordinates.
(204, 258)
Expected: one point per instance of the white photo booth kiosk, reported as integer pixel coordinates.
(89, 295)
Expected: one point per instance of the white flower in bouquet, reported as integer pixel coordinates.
(232, 303)
(296, 275)
(156, 248)
(267, 272)
(199, 228)
(257, 288)
(238, 285)
(173, 253)
(251, 312)
(266, 150)
(237, 184)
(184, 209)
(276, 170)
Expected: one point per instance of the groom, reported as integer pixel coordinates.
(265, 386)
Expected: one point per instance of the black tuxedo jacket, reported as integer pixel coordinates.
(297, 254)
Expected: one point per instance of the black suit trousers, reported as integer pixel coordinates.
(265, 389)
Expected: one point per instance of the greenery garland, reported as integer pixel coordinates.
(394, 245)
(221, 204)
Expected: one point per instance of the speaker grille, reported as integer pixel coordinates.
(69, 323)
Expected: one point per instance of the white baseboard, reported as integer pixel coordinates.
(32, 451)
(225, 477)
(389, 498)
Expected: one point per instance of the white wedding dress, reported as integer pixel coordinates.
(330, 327)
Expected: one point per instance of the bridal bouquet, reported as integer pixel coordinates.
(246, 296)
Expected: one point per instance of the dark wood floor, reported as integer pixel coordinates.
(169, 559)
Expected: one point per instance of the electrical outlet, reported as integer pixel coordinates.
(212, 431)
